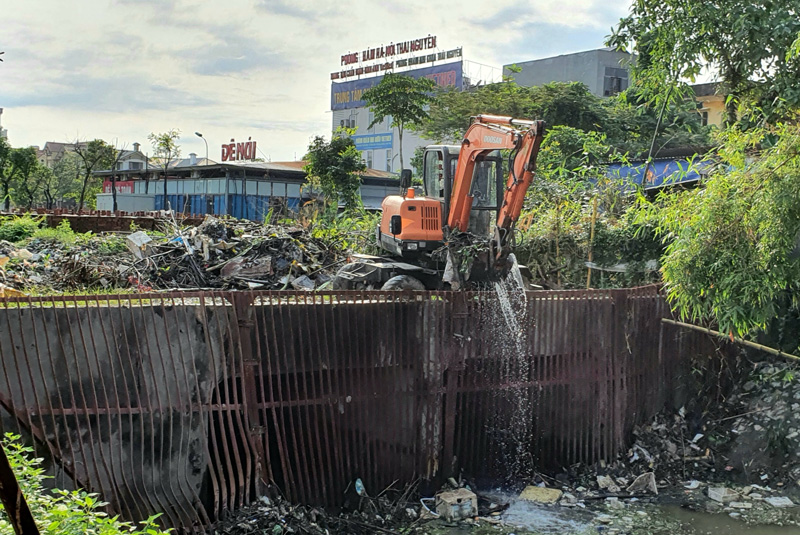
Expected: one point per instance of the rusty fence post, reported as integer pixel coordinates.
(19, 514)
(243, 305)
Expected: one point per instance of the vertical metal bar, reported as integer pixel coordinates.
(283, 430)
(193, 391)
(118, 477)
(219, 463)
(244, 311)
(277, 429)
(99, 382)
(267, 474)
(310, 350)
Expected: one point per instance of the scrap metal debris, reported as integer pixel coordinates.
(219, 253)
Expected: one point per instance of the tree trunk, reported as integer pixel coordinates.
(6, 198)
(400, 135)
(730, 109)
(114, 192)
(166, 202)
(83, 192)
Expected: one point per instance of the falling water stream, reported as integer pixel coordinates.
(510, 324)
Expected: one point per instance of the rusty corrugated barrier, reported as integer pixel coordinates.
(190, 403)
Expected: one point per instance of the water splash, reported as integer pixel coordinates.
(510, 324)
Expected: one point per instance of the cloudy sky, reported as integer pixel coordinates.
(120, 69)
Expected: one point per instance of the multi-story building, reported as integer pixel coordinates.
(711, 100)
(380, 143)
(604, 71)
(53, 151)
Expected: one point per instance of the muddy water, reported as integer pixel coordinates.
(693, 522)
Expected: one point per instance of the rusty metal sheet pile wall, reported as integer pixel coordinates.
(190, 403)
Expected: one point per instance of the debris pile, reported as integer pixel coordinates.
(218, 254)
(392, 511)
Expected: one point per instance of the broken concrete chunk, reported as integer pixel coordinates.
(722, 494)
(303, 283)
(22, 254)
(779, 501)
(137, 243)
(544, 495)
(605, 482)
(741, 505)
(456, 504)
(645, 482)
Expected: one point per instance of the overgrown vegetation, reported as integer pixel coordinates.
(733, 246)
(18, 229)
(62, 512)
(349, 231)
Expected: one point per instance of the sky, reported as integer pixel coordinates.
(121, 69)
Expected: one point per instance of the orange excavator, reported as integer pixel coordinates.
(463, 187)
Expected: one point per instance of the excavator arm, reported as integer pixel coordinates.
(488, 133)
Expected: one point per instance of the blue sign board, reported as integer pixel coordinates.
(373, 141)
(347, 95)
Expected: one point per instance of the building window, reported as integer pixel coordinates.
(134, 166)
(389, 160)
(704, 118)
(615, 81)
(370, 128)
(369, 159)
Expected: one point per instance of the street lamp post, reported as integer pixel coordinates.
(205, 179)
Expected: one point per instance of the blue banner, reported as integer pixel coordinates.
(347, 95)
(373, 141)
(660, 173)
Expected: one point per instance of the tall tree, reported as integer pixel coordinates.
(5, 171)
(22, 163)
(117, 154)
(165, 151)
(28, 188)
(401, 97)
(333, 167)
(626, 120)
(745, 44)
(65, 182)
(94, 156)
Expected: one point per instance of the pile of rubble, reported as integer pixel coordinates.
(218, 254)
(391, 511)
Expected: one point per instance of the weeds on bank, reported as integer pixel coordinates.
(63, 511)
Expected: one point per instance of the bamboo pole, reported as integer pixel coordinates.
(766, 349)
(591, 242)
(558, 250)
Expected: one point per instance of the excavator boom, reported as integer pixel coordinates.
(488, 133)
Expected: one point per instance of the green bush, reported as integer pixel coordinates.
(62, 511)
(16, 229)
(349, 231)
(63, 233)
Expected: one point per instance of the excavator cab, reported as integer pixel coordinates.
(486, 189)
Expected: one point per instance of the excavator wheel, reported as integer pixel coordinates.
(354, 282)
(403, 282)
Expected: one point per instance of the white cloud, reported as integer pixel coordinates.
(125, 68)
